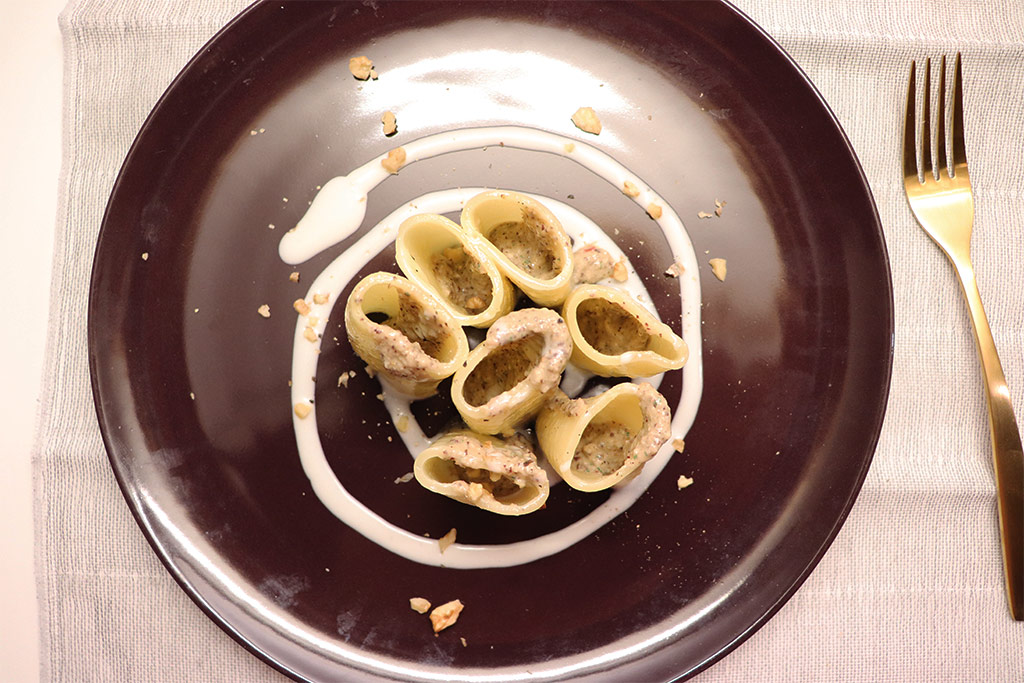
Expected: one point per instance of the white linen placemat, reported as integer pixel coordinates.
(912, 589)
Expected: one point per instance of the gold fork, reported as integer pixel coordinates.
(941, 199)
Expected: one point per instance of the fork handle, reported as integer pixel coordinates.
(1006, 446)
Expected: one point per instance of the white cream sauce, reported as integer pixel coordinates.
(338, 211)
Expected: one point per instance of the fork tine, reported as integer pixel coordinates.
(940, 137)
(926, 125)
(957, 124)
(910, 156)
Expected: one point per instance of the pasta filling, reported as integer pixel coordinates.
(462, 279)
(609, 328)
(603, 448)
(481, 481)
(529, 244)
(419, 325)
(502, 369)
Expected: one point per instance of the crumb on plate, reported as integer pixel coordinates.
(654, 210)
(294, 277)
(319, 298)
(683, 481)
(445, 615)
(302, 410)
(362, 67)
(718, 268)
(629, 189)
(675, 270)
(619, 271)
(389, 123)
(420, 605)
(394, 160)
(301, 307)
(405, 478)
(586, 120)
(264, 310)
(447, 539)
(679, 445)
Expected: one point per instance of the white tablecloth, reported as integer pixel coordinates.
(912, 589)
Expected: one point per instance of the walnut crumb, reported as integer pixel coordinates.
(569, 147)
(705, 214)
(310, 334)
(343, 379)
(675, 270)
(294, 277)
(394, 160)
(463, 641)
(654, 210)
(420, 605)
(145, 256)
(321, 299)
(619, 271)
(679, 445)
(445, 615)
(447, 539)
(361, 67)
(302, 410)
(405, 478)
(629, 189)
(718, 268)
(264, 310)
(389, 123)
(683, 481)
(719, 205)
(402, 423)
(586, 120)
(370, 372)
(301, 307)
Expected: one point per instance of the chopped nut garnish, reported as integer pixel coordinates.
(675, 270)
(319, 298)
(683, 481)
(343, 379)
(310, 334)
(654, 211)
(586, 120)
(361, 67)
(369, 372)
(445, 615)
(145, 256)
(718, 208)
(301, 307)
(446, 540)
(380, 397)
(705, 214)
(302, 410)
(629, 189)
(294, 277)
(718, 268)
(569, 147)
(679, 445)
(463, 641)
(264, 310)
(394, 160)
(619, 271)
(421, 605)
(405, 478)
(402, 423)
(389, 122)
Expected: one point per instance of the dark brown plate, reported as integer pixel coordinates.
(696, 100)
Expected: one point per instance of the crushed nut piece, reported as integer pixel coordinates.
(446, 540)
(302, 410)
(675, 270)
(319, 298)
(394, 160)
(390, 123)
(343, 380)
(264, 310)
(569, 147)
(405, 478)
(294, 277)
(402, 423)
(463, 641)
(421, 605)
(683, 481)
(654, 211)
(619, 271)
(301, 307)
(145, 256)
(192, 395)
(718, 268)
(629, 189)
(445, 615)
(370, 372)
(361, 67)
(679, 445)
(310, 334)
(705, 214)
(380, 397)
(586, 120)
(718, 208)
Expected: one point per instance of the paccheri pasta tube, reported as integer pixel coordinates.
(525, 240)
(403, 333)
(508, 376)
(614, 336)
(484, 471)
(441, 257)
(597, 442)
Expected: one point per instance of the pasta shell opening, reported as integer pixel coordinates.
(502, 369)
(480, 482)
(438, 255)
(613, 335)
(527, 240)
(608, 439)
(403, 333)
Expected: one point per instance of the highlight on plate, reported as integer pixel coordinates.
(457, 274)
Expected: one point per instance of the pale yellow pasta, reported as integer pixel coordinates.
(614, 336)
(508, 376)
(403, 333)
(597, 442)
(494, 475)
(439, 255)
(526, 241)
